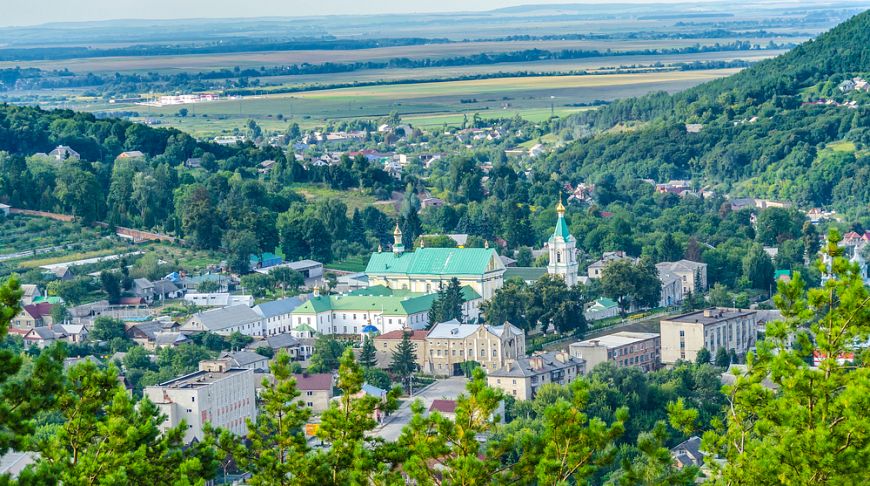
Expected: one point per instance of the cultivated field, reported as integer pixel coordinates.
(209, 62)
(428, 103)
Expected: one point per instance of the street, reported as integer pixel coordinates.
(447, 389)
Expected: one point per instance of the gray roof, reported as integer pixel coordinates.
(526, 274)
(278, 307)
(244, 358)
(234, 315)
(46, 333)
(283, 340)
(680, 265)
(169, 338)
(691, 450)
(522, 367)
(143, 283)
(453, 329)
(164, 286)
(149, 328)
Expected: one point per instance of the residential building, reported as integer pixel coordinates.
(522, 377)
(375, 309)
(563, 252)
(277, 314)
(46, 335)
(449, 344)
(594, 269)
(688, 453)
(692, 274)
(308, 268)
(671, 288)
(226, 321)
(218, 394)
(602, 308)
(642, 349)
(156, 291)
(297, 348)
(386, 344)
(29, 293)
(684, 335)
(224, 282)
(265, 260)
(33, 315)
(315, 391)
(63, 152)
(248, 360)
(219, 299)
(447, 408)
(146, 333)
(426, 269)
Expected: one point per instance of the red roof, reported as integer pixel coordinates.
(319, 381)
(37, 311)
(131, 301)
(397, 334)
(443, 406)
(18, 331)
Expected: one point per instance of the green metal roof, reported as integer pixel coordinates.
(561, 230)
(606, 303)
(434, 261)
(406, 304)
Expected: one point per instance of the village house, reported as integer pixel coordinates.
(714, 328)
(315, 391)
(217, 394)
(33, 315)
(522, 377)
(29, 292)
(218, 299)
(248, 360)
(157, 291)
(299, 349)
(64, 152)
(624, 348)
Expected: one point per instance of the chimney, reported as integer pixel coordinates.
(536, 362)
(708, 312)
(561, 357)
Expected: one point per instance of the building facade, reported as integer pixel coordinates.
(425, 270)
(692, 275)
(684, 335)
(563, 250)
(217, 394)
(449, 344)
(315, 391)
(641, 349)
(521, 378)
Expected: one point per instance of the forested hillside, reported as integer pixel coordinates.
(760, 136)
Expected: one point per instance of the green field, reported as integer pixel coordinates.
(430, 104)
(353, 198)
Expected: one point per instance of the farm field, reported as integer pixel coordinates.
(433, 103)
(208, 62)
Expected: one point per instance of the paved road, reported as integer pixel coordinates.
(447, 389)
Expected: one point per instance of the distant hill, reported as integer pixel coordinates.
(758, 136)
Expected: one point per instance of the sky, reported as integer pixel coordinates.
(35, 12)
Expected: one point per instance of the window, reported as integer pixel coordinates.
(682, 333)
(309, 393)
(310, 404)
(192, 399)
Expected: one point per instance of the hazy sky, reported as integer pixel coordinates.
(43, 11)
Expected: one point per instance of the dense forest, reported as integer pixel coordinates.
(758, 136)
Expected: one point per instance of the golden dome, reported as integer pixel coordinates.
(559, 207)
(397, 231)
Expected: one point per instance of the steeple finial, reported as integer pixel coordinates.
(559, 207)
(486, 244)
(398, 247)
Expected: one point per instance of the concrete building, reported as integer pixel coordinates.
(684, 335)
(375, 309)
(315, 391)
(217, 394)
(521, 378)
(689, 273)
(277, 314)
(449, 344)
(642, 349)
(595, 268)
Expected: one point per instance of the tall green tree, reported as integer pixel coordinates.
(631, 284)
(404, 359)
(368, 354)
(758, 268)
(448, 304)
(107, 438)
(509, 304)
(275, 451)
(354, 456)
(813, 428)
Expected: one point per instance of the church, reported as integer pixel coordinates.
(426, 269)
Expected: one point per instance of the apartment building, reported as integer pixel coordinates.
(217, 394)
(385, 346)
(522, 377)
(684, 335)
(449, 344)
(642, 349)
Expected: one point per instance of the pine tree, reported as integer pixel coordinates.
(811, 430)
(368, 355)
(276, 452)
(107, 438)
(404, 361)
(448, 304)
(354, 456)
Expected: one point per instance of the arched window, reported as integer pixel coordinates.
(558, 257)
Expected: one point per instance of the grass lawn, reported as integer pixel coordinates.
(354, 199)
(351, 264)
(842, 146)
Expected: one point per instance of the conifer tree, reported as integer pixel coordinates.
(275, 451)
(404, 361)
(368, 354)
(813, 428)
